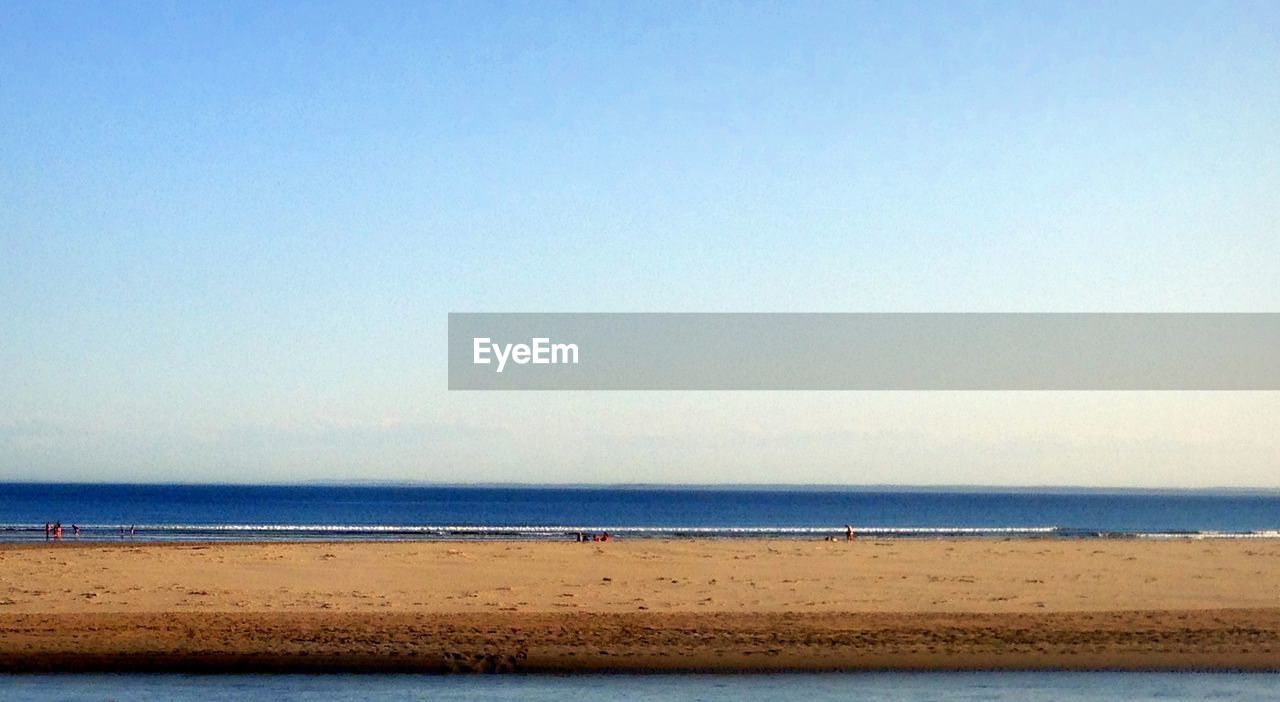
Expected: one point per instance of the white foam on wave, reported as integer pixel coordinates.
(1264, 534)
(354, 531)
(557, 529)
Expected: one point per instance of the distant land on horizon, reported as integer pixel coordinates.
(1043, 489)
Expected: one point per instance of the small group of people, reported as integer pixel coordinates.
(54, 531)
(603, 536)
(848, 534)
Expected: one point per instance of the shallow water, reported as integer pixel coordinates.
(906, 687)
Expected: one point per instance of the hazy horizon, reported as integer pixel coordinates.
(814, 487)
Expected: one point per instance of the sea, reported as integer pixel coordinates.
(149, 512)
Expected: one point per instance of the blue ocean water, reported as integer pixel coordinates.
(904, 687)
(378, 512)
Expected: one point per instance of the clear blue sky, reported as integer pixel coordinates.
(230, 232)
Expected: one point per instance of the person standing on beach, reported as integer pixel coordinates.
(57, 531)
(848, 532)
(47, 530)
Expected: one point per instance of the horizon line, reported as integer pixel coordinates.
(874, 487)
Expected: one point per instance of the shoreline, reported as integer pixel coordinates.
(285, 534)
(640, 606)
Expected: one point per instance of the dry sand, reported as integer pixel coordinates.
(642, 605)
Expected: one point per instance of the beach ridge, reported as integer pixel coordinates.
(606, 642)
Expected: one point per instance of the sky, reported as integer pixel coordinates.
(230, 233)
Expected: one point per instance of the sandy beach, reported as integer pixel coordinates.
(642, 605)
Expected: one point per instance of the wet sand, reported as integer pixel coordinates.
(642, 605)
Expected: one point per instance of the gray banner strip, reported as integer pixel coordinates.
(707, 351)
